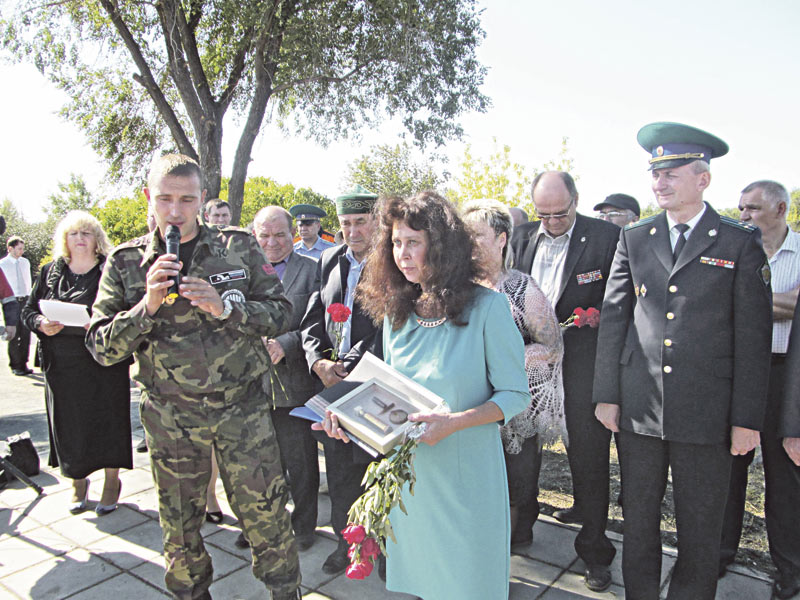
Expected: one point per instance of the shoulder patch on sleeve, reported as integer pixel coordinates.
(736, 223)
(640, 222)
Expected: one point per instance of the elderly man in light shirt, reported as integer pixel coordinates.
(17, 270)
(765, 204)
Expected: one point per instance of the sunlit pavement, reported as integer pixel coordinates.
(47, 553)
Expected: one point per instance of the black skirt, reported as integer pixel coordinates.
(88, 409)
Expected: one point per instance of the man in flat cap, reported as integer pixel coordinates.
(339, 271)
(682, 362)
(620, 209)
(309, 227)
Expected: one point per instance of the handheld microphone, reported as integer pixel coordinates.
(173, 239)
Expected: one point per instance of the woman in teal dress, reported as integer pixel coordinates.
(457, 339)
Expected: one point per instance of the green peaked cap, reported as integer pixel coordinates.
(674, 144)
(357, 201)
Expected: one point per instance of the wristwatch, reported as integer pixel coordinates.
(227, 309)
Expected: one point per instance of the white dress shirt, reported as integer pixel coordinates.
(785, 267)
(18, 274)
(674, 234)
(548, 263)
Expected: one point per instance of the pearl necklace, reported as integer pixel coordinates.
(429, 324)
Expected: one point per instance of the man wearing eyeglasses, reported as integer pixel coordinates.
(570, 256)
(620, 209)
(309, 227)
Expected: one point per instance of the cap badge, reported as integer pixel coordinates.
(660, 151)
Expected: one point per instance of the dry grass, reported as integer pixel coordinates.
(555, 493)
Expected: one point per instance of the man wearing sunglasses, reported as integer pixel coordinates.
(570, 257)
(620, 209)
(313, 239)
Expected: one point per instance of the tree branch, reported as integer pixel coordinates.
(147, 81)
(177, 65)
(327, 78)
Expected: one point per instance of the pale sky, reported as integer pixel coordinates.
(592, 71)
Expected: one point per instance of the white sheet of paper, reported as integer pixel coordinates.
(65, 313)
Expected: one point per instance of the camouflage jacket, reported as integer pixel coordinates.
(182, 349)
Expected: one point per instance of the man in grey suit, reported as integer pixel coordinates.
(683, 359)
(292, 384)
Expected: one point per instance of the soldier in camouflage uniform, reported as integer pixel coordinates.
(203, 369)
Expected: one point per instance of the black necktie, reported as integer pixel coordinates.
(682, 229)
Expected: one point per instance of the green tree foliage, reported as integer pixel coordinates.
(500, 178)
(70, 196)
(123, 218)
(793, 216)
(391, 171)
(142, 76)
(38, 237)
(263, 191)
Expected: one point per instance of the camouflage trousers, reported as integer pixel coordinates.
(181, 432)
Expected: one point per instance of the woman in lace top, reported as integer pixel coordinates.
(543, 421)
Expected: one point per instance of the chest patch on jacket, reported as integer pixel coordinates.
(589, 277)
(219, 278)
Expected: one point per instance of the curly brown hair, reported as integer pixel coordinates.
(451, 267)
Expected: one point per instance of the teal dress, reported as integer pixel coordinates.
(454, 541)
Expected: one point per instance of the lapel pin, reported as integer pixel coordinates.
(653, 231)
(583, 239)
(643, 290)
(712, 232)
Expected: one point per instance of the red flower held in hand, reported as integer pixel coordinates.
(589, 316)
(370, 548)
(339, 312)
(359, 570)
(354, 534)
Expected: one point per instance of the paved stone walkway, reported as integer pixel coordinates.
(47, 553)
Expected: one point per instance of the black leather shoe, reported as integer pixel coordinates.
(142, 447)
(786, 588)
(597, 578)
(305, 541)
(337, 561)
(241, 541)
(568, 515)
(382, 568)
(22, 372)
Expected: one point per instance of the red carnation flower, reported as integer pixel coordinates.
(339, 312)
(370, 548)
(359, 570)
(354, 534)
(592, 317)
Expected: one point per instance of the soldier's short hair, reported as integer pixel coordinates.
(178, 165)
(215, 203)
(772, 191)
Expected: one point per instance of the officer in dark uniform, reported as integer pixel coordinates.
(683, 361)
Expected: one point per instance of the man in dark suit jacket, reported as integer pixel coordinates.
(682, 362)
(570, 255)
(339, 270)
(291, 382)
(787, 583)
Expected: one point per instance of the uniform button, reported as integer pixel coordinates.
(667, 369)
(668, 343)
(670, 316)
(673, 289)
